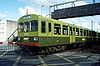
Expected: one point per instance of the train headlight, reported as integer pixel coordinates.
(35, 38)
(26, 39)
(83, 39)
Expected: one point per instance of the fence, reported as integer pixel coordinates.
(8, 46)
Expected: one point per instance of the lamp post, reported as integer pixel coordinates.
(49, 11)
(93, 1)
(27, 11)
(92, 25)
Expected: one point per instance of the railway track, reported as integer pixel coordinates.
(73, 57)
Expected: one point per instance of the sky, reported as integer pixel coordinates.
(14, 9)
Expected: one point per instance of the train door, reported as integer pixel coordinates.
(49, 33)
(72, 34)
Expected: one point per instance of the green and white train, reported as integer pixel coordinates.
(40, 34)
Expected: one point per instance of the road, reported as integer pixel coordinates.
(67, 58)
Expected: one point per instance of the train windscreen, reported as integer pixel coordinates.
(34, 25)
(21, 27)
(28, 26)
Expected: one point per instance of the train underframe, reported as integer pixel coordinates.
(35, 49)
(50, 49)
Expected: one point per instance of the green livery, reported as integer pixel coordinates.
(49, 32)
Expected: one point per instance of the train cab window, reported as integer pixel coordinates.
(43, 27)
(49, 27)
(77, 31)
(65, 30)
(21, 27)
(34, 25)
(26, 26)
(81, 32)
(57, 29)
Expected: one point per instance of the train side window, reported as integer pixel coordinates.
(71, 31)
(49, 27)
(43, 25)
(87, 33)
(65, 30)
(77, 31)
(81, 32)
(98, 34)
(57, 29)
(84, 32)
(94, 33)
(90, 33)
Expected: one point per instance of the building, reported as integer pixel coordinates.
(7, 27)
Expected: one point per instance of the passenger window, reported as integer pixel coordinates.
(49, 27)
(65, 30)
(84, 32)
(87, 33)
(43, 25)
(71, 33)
(81, 32)
(77, 31)
(98, 34)
(57, 29)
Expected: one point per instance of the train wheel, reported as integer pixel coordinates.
(50, 50)
(58, 48)
(43, 52)
(47, 51)
(53, 49)
(63, 48)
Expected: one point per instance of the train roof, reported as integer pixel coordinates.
(48, 19)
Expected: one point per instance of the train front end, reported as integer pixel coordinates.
(28, 31)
